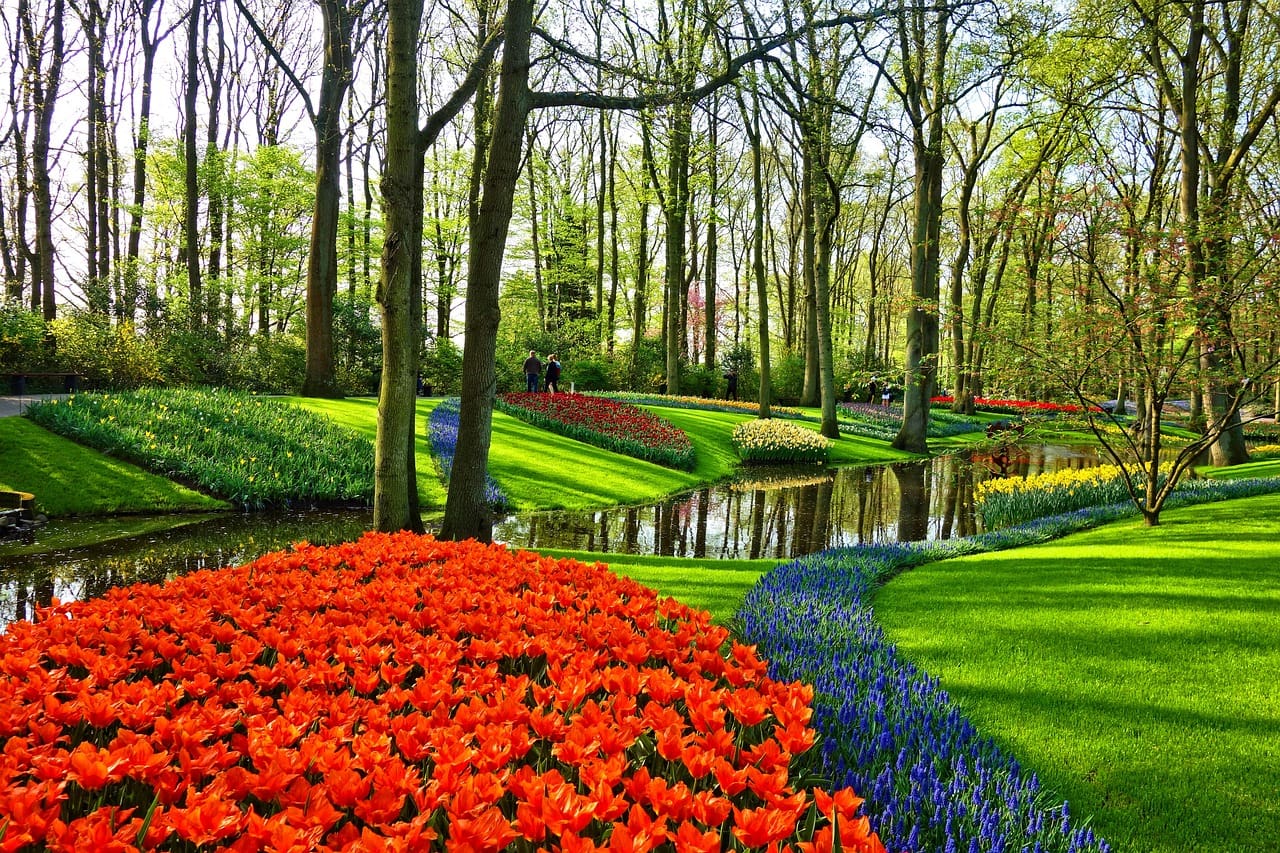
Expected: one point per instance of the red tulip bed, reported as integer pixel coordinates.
(400, 693)
(619, 427)
(1013, 407)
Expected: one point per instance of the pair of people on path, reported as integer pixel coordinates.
(533, 371)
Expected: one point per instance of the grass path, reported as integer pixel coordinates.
(714, 585)
(1136, 670)
(68, 479)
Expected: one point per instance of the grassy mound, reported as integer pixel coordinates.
(1133, 670)
(253, 452)
(68, 479)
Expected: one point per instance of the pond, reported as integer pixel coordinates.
(773, 513)
(200, 542)
(788, 512)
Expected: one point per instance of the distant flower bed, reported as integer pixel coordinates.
(1264, 430)
(1264, 451)
(1012, 500)
(606, 423)
(1013, 407)
(709, 404)
(490, 700)
(889, 730)
(250, 451)
(778, 442)
(442, 429)
(881, 422)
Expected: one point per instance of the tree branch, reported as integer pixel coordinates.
(440, 119)
(275, 54)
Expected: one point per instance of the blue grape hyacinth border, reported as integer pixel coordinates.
(442, 429)
(931, 781)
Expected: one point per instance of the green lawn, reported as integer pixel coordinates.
(714, 585)
(361, 415)
(1135, 670)
(68, 479)
(541, 470)
(1265, 468)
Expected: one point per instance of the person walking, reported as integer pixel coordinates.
(553, 373)
(532, 371)
(731, 392)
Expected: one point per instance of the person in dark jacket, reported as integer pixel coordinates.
(731, 379)
(553, 373)
(532, 371)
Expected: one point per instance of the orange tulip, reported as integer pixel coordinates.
(758, 827)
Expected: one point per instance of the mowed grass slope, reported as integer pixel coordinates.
(1263, 468)
(361, 414)
(68, 479)
(1137, 671)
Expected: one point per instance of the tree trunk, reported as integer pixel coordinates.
(642, 260)
(613, 246)
(142, 138)
(191, 206)
(467, 512)
(824, 224)
(809, 395)
(392, 509)
(43, 99)
(712, 259)
(322, 258)
(675, 209)
(923, 101)
(757, 249)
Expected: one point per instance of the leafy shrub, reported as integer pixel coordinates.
(252, 452)
(786, 375)
(488, 700)
(618, 427)
(441, 366)
(587, 375)
(108, 356)
(21, 338)
(697, 381)
(277, 365)
(779, 442)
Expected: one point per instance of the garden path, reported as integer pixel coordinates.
(11, 407)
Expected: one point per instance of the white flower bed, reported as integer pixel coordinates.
(779, 442)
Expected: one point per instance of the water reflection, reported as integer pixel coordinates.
(776, 514)
(773, 514)
(28, 582)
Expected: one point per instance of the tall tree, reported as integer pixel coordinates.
(151, 32)
(191, 199)
(44, 40)
(1214, 63)
(341, 20)
(395, 482)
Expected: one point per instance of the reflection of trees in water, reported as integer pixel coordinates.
(913, 500)
(33, 581)
(802, 515)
